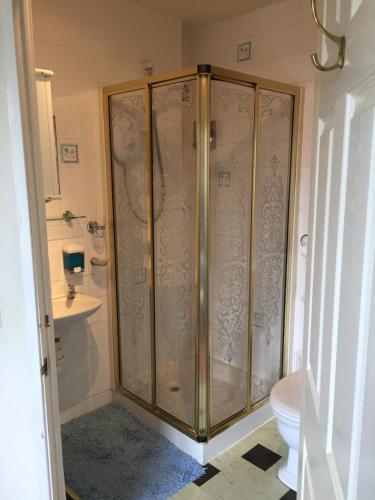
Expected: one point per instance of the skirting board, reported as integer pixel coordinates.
(202, 452)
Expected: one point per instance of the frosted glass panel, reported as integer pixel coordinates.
(174, 171)
(271, 213)
(127, 113)
(232, 109)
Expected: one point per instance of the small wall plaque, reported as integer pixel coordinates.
(69, 153)
(224, 179)
(243, 51)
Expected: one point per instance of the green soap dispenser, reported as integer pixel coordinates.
(74, 258)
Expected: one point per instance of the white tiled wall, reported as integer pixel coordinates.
(282, 38)
(91, 43)
(88, 44)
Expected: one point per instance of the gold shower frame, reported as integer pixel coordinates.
(203, 74)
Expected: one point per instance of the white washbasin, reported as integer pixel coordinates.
(81, 306)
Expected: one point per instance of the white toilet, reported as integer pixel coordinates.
(285, 401)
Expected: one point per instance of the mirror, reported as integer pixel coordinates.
(47, 132)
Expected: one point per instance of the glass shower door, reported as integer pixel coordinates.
(271, 215)
(231, 170)
(130, 191)
(174, 173)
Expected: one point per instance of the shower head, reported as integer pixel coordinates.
(128, 133)
(128, 143)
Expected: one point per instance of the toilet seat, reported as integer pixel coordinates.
(285, 398)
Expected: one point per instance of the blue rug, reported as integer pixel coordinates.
(109, 455)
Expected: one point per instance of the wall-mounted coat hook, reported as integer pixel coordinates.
(338, 40)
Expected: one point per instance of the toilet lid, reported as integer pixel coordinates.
(286, 396)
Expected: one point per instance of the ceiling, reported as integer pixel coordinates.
(197, 13)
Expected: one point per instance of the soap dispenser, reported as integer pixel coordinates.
(74, 258)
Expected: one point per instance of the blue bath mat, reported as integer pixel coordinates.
(109, 455)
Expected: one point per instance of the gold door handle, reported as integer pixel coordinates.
(338, 40)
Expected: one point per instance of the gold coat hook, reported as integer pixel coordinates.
(338, 40)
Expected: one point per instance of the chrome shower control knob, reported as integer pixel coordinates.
(94, 227)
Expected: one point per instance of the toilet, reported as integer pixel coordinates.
(285, 401)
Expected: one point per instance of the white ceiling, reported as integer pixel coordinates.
(197, 13)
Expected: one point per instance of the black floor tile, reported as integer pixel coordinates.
(261, 456)
(211, 471)
(68, 497)
(289, 495)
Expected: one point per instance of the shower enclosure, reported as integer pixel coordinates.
(201, 173)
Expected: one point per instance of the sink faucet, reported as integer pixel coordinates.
(71, 292)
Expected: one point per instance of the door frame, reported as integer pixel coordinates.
(17, 65)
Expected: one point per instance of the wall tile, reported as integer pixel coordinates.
(58, 289)
(286, 39)
(54, 230)
(98, 283)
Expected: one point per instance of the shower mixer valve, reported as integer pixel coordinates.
(212, 134)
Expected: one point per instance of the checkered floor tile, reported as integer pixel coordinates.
(248, 471)
(211, 471)
(261, 456)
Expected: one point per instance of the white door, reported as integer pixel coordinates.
(337, 430)
(30, 447)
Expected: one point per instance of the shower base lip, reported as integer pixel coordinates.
(202, 452)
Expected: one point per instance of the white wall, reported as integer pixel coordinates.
(283, 36)
(89, 44)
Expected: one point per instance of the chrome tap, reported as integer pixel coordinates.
(71, 292)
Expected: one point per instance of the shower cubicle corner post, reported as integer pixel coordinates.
(202, 343)
(150, 237)
(252, 266)
(292, 243)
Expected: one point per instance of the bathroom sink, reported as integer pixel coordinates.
(80, 307)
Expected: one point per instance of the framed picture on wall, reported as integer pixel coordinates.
(244, 51)
(69, 153)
